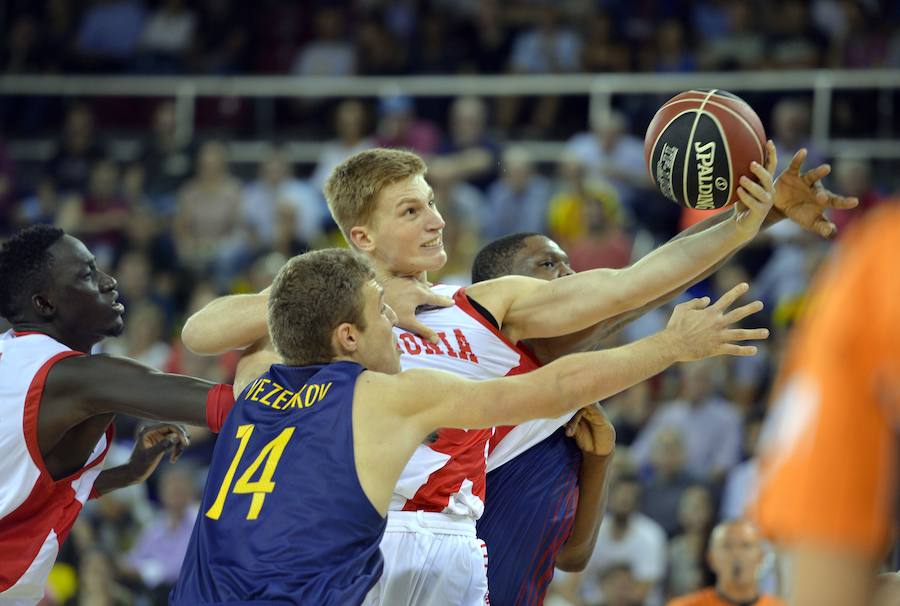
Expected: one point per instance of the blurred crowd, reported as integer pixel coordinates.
(179, 221)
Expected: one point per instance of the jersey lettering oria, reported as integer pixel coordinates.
(270, 455)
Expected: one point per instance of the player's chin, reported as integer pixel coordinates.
(433, 258)
(116, 328)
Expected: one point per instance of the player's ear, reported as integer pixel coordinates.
(345, 339)
(42, 305)
(361, 238)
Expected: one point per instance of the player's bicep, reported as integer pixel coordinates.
(506, 297)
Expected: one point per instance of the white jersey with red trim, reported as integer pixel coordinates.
(36, 511)
(448, 474)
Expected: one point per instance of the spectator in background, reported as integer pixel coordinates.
(278, 199)
(710, 426)
(40, 207)
(398, 127)
(167, 38)
(629, 411)
(604, 48)
(743, 480)
(854, 177)
(166, 158)
(22, 52)
(207, 216)
(736, 555)
(610, 152)
(673, 53)
(144, 337)
(97, 584)
(794, 42)
(687, 549)
(468, 153)
(109, 33)
(379, 51)
(743, 45)
(100, 218)
(76, 152)
(329, 53)
(627, 537)
(157, 556)
(221, 42)
(662, 494)
(350, 125)
(517, 201)
(488, 41)
(462, 206)
(791, 131)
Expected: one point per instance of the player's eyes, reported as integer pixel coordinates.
(432, 203)
(409, 211)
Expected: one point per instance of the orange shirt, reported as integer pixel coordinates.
(709, 597)
(829, 453)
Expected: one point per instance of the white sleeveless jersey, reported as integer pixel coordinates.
(36, 511)
(448, 474)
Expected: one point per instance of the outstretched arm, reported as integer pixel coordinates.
(527, 308)
(798, 195)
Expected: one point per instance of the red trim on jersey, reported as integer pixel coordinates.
(51, 505)
(25, 333)
(503, 431)
(462, 301)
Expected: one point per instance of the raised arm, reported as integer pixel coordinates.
(696, 330)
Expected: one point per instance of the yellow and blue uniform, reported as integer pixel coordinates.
(283, 518)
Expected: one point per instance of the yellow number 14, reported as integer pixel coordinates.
(270, 454)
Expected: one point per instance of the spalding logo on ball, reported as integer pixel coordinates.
(699, 144)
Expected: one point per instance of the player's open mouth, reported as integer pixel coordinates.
(118, 307)
(434, 243)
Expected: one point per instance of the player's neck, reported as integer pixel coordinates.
(737, 593)
(54, 332)
(383, 270)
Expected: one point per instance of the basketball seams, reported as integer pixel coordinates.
(731, 111)
(659, 136)
(724, 136)
(690, 143)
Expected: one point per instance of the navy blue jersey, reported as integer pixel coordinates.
(284, 519)
(530, 509)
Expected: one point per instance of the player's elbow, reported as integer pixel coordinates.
(572, 559)
(196, 339)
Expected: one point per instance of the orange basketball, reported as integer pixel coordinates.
(699, 144)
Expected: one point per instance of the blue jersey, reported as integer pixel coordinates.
(284, 519)
(531, 502)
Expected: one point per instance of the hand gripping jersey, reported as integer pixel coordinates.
(283, 518)
(36, 511)
(532, 500)
(448, 474)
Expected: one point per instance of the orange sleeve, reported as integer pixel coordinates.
(829, 449)
(704, 597)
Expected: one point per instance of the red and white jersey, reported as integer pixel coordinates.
(36, 511)
(448, 475)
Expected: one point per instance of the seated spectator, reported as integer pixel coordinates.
(610, 152)
(97, 583)
(853, 177)
(743, 45)
(468, 153)
(627, 537)
(167, 38)
(629, 411)
(673, 49)
(662, 494)
(276, 199)
(549, 48)
(166, 159)
(604, 244)
(328, 53)
(379, 51)
(159, 551)
(795, 42)
(399, 127)
(686, 550)
(710, 426)
(791, 131)
(76, 152)
(351, 129)
(736, 556)
(101, 217)
(40, 207)
(517, 201)
(207, 216)
(604, 48)
(109, 33)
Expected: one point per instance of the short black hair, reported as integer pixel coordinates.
(24, 263)
(495, 259)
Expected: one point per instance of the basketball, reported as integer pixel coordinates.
(699, 144)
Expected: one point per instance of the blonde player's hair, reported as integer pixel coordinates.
(353, 187)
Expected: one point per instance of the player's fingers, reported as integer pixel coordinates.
(771, 157)
(739, 313)
(816, 174)
(435, 300)
(726, 300)
(413, 325)
(753, 204)
(797, 161)
(763, 176)
(162, 446)
(832, 200)
(730, 349)
(757, 190)
(824, 227)
(746, 334)
(695, 303)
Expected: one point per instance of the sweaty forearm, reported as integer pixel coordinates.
(593, 483)
(115, 478)
(231, 322)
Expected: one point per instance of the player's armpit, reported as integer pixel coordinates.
(254, 361)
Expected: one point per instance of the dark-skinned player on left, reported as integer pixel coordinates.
(57, 402)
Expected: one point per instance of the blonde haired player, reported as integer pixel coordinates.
(386, 209)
